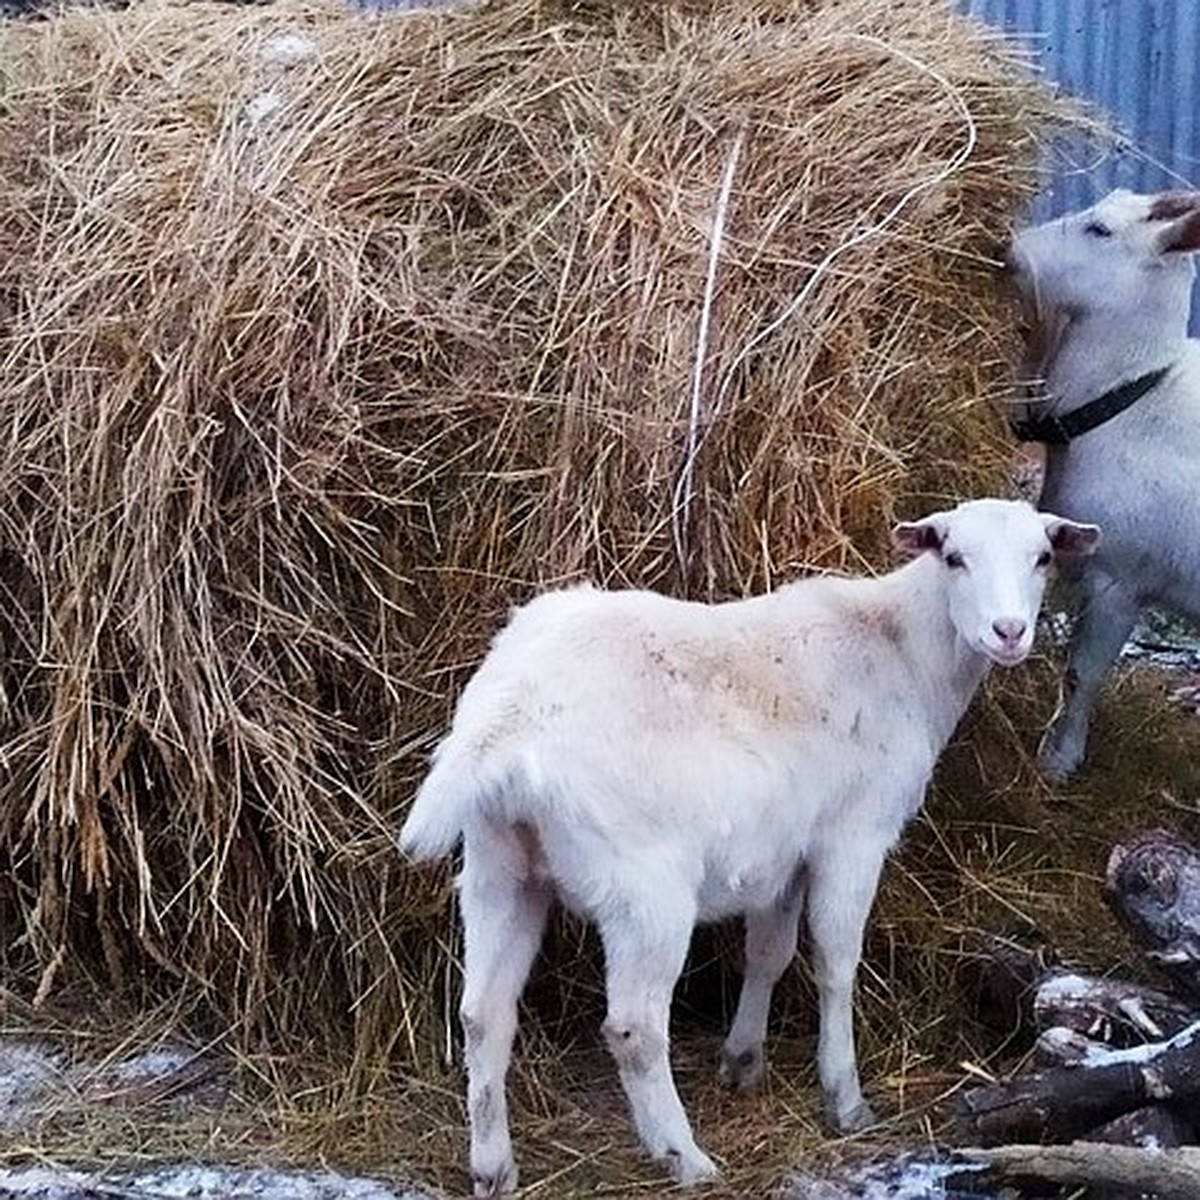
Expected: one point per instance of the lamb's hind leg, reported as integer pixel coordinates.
(644, 948)
(1105, 622)
(770, 947)
(503, 916)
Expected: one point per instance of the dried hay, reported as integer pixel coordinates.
(324, 337)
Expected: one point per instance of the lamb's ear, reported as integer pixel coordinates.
(915, 537)
(1071, 539)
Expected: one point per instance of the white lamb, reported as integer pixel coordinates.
(1108, 291)
(653, 763)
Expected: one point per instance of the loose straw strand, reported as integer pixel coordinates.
(684, 487)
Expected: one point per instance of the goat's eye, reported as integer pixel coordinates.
(1097, 229)
(955, 561)
(1043, 559)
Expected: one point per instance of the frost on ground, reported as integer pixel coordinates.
(154, 1064)
(1172, 644)
(38, 1083)
(195, 1183)
(1169, 643)
(904, 1178)
(35, 1080)
(28, 1073)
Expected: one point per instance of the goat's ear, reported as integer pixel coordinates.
(1071, 539)
(915, 537)
(1166, 206)
(1182, 210)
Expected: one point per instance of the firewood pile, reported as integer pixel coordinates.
(1116, 1064)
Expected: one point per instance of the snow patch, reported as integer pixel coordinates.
(27, 1073)
(1064, 986)
(32, 1076)
(914, 1179)
(414, 6)
(905, 1178)
(198, 1183)
(154, 1064)
(45, 1183)
(1102, 1056)
(227, 1183)
(287, 49)
(265, 104)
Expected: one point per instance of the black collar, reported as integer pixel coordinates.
(1058, 431)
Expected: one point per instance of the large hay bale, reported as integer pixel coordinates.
(327, 336)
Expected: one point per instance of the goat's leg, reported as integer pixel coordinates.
(1107, 618)
(770, 947)
(842, 884)
(644, 949)
(503, 919)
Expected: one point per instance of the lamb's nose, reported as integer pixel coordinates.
(1010, 630)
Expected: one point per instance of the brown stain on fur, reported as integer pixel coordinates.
(537, 867)
(727, 681)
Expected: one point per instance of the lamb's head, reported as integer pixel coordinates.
(1129, 255)
(995, 556)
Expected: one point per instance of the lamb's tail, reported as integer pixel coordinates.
(444, 802)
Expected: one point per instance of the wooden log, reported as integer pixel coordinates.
(1000, 975)
(1113, 1011)
(1174, 1173)
(1064, 1102)
(1010, 990)
(1079, 1017)
(1152, 883)
(1155, 1127)
(1061, 1047)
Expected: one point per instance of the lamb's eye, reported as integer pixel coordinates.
(1097, 229)
(1043, 559)
(955, 561)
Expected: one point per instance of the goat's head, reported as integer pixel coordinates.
(1128, 256)
(995, 557)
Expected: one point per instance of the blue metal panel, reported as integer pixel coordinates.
(1138, 60)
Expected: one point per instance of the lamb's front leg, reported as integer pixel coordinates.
(770, 947)
(842, 884)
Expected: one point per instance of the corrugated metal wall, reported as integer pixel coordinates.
(1137, 59)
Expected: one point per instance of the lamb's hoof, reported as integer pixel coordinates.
(691, 1168)
(499, 1182)
(860, 1117)
(744, 1070)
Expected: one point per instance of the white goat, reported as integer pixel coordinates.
(1107, 291)
(653, 763)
